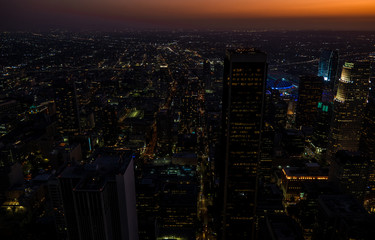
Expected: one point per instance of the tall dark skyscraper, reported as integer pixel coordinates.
(309, 95)
(245, 72)
(319, 139)
(66, 106)
(328, 66)
(350, 170)
(349, 104)
(99, 199)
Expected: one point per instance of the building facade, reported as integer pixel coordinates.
(309, 95)
(245, 72)
(349, 104)
(328, 66)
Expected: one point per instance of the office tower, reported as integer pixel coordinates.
(319, 140)
(309, 94)
(167, 202)
(245, 72)
(293, 143)
(148, 191)
(367, 146)
(66, 106)
(350, 170)
(99, 199)
(349, 104)
(328, 66)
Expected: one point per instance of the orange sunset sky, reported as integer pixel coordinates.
(323, 12)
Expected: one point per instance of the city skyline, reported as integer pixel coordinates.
(187, 135)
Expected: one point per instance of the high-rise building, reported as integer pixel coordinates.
(99, 199)
(367, 146)
(319, 140)
(245, 72)
(66, 106)
(309, 94)
(349, 104)
(350, 170)
(328, 66)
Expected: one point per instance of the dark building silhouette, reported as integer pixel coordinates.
(350, 170)
(319, 140)
(309, 94)
(293, 142)
(167, 201)
(67, 110)
(306, 209)
(341, 217)
(279, 227)
(99, 199)
(245, 73)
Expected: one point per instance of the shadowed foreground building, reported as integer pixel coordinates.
(309, 95)
(341, 217)
(99, 199)
(351, 171)
(245, 73)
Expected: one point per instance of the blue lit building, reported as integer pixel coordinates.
(328, 66)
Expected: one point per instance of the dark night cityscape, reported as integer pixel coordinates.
(178, 132)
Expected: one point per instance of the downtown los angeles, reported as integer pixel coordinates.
(174, 121)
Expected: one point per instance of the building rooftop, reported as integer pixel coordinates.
(94, 176)
(341, 205)
(320, 173)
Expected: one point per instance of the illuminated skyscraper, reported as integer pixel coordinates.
(349, 104)
(328, 65)
(245, 72)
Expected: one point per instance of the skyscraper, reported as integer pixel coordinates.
(66, 106)
(309, 94)
(245, 73)
(349, 104)
(99, 199)
(328, 65)
(319, 139)
(367, 146)
(350, 170)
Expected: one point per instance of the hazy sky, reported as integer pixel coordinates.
(287, 14)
